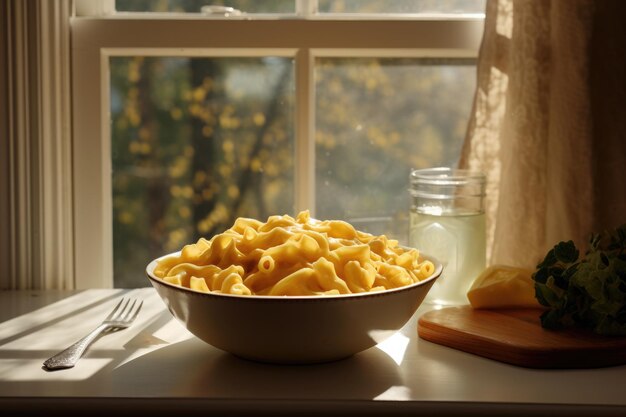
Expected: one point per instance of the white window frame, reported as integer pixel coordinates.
(96, 39)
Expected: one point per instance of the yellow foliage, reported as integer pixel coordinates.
(133, 147)
(184, 212)
(176, 238)
(132, 115)
(199, 93)
(179, 167)
(178, 191)
(207, 194)
(228, 122)
(187, 191)
(199, 177)
(258, 119)
(133, 73)
(126, 217)
(273, 190)
(255, 165)
(268, 138)
(195, 109)
(207, 131)
(225, 170)
(176, 113)
(122, 123)
(141, 148)
(133, 93)
(232, 191)
(271, 169)
(228, 146)
(144, 133)
(204, 226)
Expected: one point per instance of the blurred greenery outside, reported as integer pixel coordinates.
(198, 142)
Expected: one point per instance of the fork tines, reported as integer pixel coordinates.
(125, 313)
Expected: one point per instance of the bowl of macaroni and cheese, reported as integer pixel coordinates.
(293, 290)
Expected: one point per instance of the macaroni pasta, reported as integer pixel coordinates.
(294, 256)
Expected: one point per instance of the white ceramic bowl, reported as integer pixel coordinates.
(290, 329)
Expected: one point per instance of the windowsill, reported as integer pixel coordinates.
(157, 365)
(340, 17)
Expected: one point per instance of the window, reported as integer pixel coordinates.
(195, 143)
(184, 121)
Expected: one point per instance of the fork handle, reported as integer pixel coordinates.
(68, 357)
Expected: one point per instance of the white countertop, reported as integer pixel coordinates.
(157, 365)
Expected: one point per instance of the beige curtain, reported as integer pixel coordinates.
(549, 124)
(36, 249)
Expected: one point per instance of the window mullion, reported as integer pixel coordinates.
(306, 8)
(304, 163)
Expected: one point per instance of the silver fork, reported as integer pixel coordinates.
(121, 317)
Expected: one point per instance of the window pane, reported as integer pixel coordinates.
(196, 142)
(377, 119)
(194, 6)
(402, 6)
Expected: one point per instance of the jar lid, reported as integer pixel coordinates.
(447, 176)
(439, 182)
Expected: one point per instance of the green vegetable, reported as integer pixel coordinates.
(588, 291)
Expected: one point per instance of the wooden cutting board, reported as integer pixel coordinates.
(515, 336)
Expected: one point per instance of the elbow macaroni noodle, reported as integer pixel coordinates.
(293, 256)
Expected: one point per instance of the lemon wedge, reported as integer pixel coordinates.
(501, 286)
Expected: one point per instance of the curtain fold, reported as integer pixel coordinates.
(36, 249)
(548, 124)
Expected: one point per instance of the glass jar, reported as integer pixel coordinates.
(448, 222)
